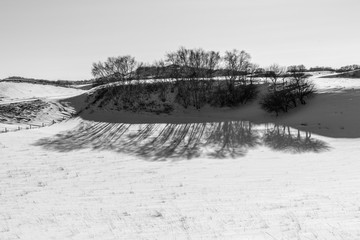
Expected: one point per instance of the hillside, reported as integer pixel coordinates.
(60, 83)
(24, 104)
(16, 91)
(351, 74)
(332, 112)
(114, 174)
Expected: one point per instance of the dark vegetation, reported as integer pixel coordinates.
(320, 69)
(21, 112)
(193, 78)
(137, 97)
(289, 88)
(342, 69)
(348, 68)
(350, 74)
(160, 97)
(188, 77)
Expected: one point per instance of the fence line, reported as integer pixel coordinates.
(31, 126)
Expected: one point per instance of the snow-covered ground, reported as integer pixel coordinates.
(18, 95)
(336, 84)
(15, 92)
(80, 179)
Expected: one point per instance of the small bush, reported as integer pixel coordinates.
(276, 102)
(283, 100)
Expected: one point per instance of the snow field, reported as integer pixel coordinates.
(81, 179)
(103, 194)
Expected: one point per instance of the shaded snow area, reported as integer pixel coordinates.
(26, 105)
(231, 174)
(32, 114)
(158, 142)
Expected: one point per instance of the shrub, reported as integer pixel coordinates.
(277, 101)
(288, 97)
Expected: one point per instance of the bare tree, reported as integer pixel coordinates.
(159, 69)
(252, 69)
(275, 72)
(119, 68)
(194, 63)
(236, 65)
(98, 70)
(297, 89)
(235, 89)
(299, 83)
(212, 63)
(193, 68)
(296, 68)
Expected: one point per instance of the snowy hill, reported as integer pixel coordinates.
(10, 91)
(25, 104)
(350, 74)
(108, 174)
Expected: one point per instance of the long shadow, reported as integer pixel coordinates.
(167, 141)
(283, 138)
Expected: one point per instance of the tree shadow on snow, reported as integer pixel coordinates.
(283, 138)
(174, 141)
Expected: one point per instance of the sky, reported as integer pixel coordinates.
(60, 39)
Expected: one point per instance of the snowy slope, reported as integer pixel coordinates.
(336, 84)
(12, 91)
(86, 193)
(198, 177)
(17, 98)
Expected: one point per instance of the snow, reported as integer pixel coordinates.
(27, 93)
(14, 92)
(86, 179)
(336, 84)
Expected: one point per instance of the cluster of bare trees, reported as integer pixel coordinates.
(193, 71)
(197, 77)
(119, 68)
(193, 63)
(198, 72)
(349, 68)
(346, 68)
(289, 87)
(183, 64)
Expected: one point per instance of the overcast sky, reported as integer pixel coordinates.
(60, 39)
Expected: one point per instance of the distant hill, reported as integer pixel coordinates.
(13, 90)
(351, 74)
(62, 83)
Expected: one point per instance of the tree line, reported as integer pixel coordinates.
(198, 77)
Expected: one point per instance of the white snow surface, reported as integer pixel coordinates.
(82, 179)
(336, 84)
(15, 92)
